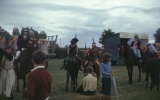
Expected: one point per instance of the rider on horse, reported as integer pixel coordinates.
(72, 51)
(15, 32)
(151, 52)
(22, 43)
(93, 54)
(135, 46)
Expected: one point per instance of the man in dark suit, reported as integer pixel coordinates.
(22, 43)
(135, 46)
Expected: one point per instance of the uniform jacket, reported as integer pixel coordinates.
(21, 42)
(38, 84)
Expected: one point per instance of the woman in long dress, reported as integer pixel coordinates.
(7, 75)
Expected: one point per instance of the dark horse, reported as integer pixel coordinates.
(72, 68)
(151, 66)
(25, 64)
(130, 60)
(153, 69)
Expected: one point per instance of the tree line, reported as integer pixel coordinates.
(62, 52)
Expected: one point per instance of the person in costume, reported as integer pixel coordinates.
(151, 51)
(73, 51)
(93, 54)
(135, 46)
(7, 75)
(22, 43)
(15, 32)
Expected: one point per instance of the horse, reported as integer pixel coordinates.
(151, 65)
(153, 69)
(25, 63)
(130, 60)
(72, 68)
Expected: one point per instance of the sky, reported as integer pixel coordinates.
(86, 18)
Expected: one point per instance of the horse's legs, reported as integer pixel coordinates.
(151, 84)
(147, 79)
(76, 81)
(130, 70)
(24, 83)
(97, 79)
(67, 82)
(139, 68)
(76, 78)
(17, 84)
(73, 80)
(158, 86)
(128, 73)
(131, 75)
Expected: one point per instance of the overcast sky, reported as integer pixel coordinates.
(86, 18)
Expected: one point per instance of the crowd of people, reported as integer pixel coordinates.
(39, 80)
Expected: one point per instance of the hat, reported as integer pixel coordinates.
(93, 44)
(31, 34)
(136, 36)
(42, 35)
(15, 31)
(75, 39)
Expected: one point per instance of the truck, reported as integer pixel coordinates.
(121, 38)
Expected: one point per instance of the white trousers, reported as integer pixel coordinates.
(17, 54)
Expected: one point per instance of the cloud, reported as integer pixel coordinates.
(87, 19)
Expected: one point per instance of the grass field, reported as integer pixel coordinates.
(125, 91)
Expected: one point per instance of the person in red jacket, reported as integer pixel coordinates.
(39, 80)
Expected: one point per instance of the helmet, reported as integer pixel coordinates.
(136, 36)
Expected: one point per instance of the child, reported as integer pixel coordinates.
(89, 82)
(73, 49)
(89, 85)
(7, 76)
(93, 55)
(38, 80)
(106, 73)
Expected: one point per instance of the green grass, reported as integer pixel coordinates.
(125, 91)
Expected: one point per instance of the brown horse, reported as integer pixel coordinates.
(130, 60)
(25, 64)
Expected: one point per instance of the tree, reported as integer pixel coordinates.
(105, 34)
(157, 36)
